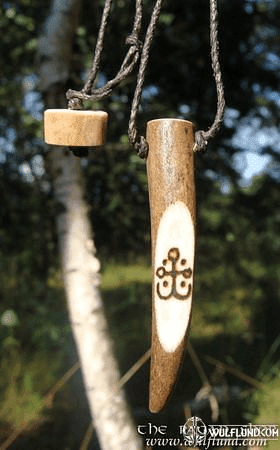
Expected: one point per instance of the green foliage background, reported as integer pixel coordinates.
(236, 313)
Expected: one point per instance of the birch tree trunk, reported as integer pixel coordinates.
(110, 414)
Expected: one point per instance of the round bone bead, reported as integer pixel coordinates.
(75, 127)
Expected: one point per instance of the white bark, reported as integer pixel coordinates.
(109, 410)
(55, 42)
(110, 414)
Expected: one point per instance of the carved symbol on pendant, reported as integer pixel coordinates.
(173, 256)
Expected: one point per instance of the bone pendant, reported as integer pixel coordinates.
(170, 166)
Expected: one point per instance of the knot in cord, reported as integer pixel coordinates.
(75, 103)
(141, 147)
(94, 94)
(133, 41)
(138, 142)
(200, 142)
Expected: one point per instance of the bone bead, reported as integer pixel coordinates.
(74, 127)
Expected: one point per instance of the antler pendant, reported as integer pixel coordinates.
(170, 166)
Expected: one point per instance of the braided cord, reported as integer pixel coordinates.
(139, 142)
(202, 137)
(75, 98)
(99, 47)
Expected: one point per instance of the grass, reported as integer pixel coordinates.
(118, 275)
(220, 323)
